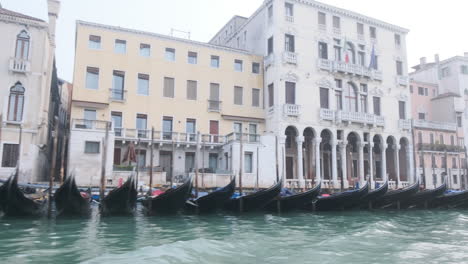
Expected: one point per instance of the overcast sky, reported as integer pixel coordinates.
(435, 26)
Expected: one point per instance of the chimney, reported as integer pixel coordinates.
(436, 58)
(53, 7)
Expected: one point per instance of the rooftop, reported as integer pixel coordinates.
(7, 12)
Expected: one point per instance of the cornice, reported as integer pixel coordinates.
(22, 21)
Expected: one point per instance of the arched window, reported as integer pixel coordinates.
(22, 45)
(16, 103)
(350, 56)
(351, 98)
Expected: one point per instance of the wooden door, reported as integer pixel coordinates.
(117, 156)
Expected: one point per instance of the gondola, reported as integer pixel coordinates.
(298, 201)
(214, 200)
(368, 199)
(423, 198)
(15, 203)
(122, 200)
(449, 200)
(69, 200)
(171, 201)
(340, 201)
(396, 197)
(254, 201)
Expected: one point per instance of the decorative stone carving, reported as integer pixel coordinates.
(325, 83)
(402, 97)
(376, 91)
(291, 77)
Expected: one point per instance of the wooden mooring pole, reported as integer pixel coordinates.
(103, 164)
(54, 163)
(150, 190)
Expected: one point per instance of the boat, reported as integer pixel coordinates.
(396, 197)
(254, 201)
(451, 199)
(340, 201)
(171, 201)
(121, 200)
(368, 199)
(291, 202)
(15, 203)
(423, 198)
(69, 200)
(214, 200)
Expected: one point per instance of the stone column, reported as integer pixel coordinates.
(383, 146)
(318, 173)
(371, 165)
(334, 165)
(282, 157)
(396, 155)
(344, 167)
(410, 164)
(300, 161)
(361, 163)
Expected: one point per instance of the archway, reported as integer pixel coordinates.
(391, 159)
(291, 152)
(309, 154)
(377, 160)
(326, 154)
(352, 158)
(404, 160)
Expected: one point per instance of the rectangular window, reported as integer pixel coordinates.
(426, 91)
(271, 95)
(214, 103)
(255, 67)
(118, 82)
(322, 19)
(168, 90)
(215, 61)
(120, 46)
(117, 123)
(337, 49)
(445, 72)
(338, 83)
(143, 84)
(189, 161)
(373, 32)
(270, 45)
(94, 42)
(324, 102)
(289, 9)
(441, 138)
(170, 54)
(360, 29)
(238, 65)
(248, 168)
(339, 99)
(402, 109)
(190, 129)
(421, 116)
(420, 91)
(145, 50)
(376, 101)
(141, 125)
(361, 58)
(399, 68)
(420, 138)
(92, 78)
(255, 97)
(290, 93)
(411, 88)
(289, 43)
(336, 22)
(363, 103)
(192, 90)
(238, 95)
(192, 57)
(459, 121)
(464, 69)
(167, 128)
(323, 50)
(92, 147)
(10, 155)
(397, 40)
(89, 117)
(431, 138)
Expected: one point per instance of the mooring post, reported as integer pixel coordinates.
(54, 163)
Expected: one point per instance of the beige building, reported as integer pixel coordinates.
(141, 80)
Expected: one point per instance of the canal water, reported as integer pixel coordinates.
(344, 237)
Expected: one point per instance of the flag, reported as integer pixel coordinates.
(346, 57)
(373, 61)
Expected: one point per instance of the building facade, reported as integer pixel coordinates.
(27, 55)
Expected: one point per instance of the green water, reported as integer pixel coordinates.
(345, 237)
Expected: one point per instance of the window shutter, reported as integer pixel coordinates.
(168, 87)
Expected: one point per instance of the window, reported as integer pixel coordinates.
(433, 162)
(16, 102)
(214, 103)
(363, 99)
(441, 138)
(255, 97)
(361, 56)
(289, 9)
(420, 138)
(10, 155)
(255, 67)
(376, 101)
(170, 54)
(168, 90)
(118, 81)
(338, 84)
(336, 22)
(444, 162)
(397, 40)
(455, 177)
(237, 128)
(402, 109)
(351, 97)
(289, 43)
(248, 168)
(192, 90)
(323, 50)
(421, 161)
(89, 117)
(426, 91)
(117, 123)
(238, 95)
(399, 68)
(337, 49)
(420, 91)
(459, 121)
(238, 65)
(192, 57)
(339, 99)
(411, 88)
(143, 84)
(324, 98)
(189, 161)
(421, 116)
(92, 147)
(452, 140)
(190, 129)
(373, 32)
(141, 124)
(322, 19)
(271, 95)
(464, 69)
(350, 56)
(213, 161)
(270, 45)
(445, 72)
(94, 42)
(92, 78)
(120, 46)
(215, 61)
(290, 93)
(360, 29)
(252, 132)
(431, 138)
(22, 45)
(145, 50)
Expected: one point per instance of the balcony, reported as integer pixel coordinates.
(440, 147)
(360, 118)
(168, 136)
(289, 19)
(327, 114)
(404, 124)
(322, 27)
(290, 57)
(292, 110)
(349, 68)
(336, 31)
(214, 106)
(117, 95)
(452, 127)
(85, 124)
(246, 137)
(402, 80)
(20, 65)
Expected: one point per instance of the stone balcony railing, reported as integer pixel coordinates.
(349, 68)
(20, 65)
(290, 57)
(402, 80)
(292, 110)
(289, 19)
(117, 95)
(435, 125)
(214, 106)
(440, 147)
(352, 117)
(404, 124)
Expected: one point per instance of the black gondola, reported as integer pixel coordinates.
(254, 201)
(368, 199)
(340, 201)
(449, 200)
(396, 197)
(122, 200)
(423, 198)
(214, 200)
(14, 202)
(171, 201)
(295, 201)
(68, 199)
